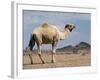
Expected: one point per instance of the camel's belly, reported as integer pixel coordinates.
(47, 39)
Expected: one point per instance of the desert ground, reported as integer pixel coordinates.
(62, 60)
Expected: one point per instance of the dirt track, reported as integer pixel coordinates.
(62, 60)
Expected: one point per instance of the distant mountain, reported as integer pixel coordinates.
(80, 46)
(66, 47)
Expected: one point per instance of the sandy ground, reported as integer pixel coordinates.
(62, 60)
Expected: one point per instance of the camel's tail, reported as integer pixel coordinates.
(32, 42)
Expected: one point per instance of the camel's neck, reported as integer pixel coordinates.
(64, 34)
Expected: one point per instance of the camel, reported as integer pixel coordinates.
(48, 34)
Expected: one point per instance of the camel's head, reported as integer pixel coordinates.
(70, 27)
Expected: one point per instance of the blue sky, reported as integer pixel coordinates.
(82, 21)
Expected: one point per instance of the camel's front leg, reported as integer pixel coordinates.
(53, 51)
(39, 53)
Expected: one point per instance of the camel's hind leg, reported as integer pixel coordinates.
(30, 56)
(39, 53)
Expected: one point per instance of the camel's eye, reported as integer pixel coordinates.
(70, 25)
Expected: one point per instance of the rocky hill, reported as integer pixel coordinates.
(80, 46)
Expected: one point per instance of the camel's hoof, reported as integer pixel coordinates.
(43, 62)
(53, 61)
(31, 62)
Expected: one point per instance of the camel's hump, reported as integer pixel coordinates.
(45, 25)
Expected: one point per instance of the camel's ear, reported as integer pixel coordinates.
(66, 26)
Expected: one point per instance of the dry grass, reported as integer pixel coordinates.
(62, 60)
